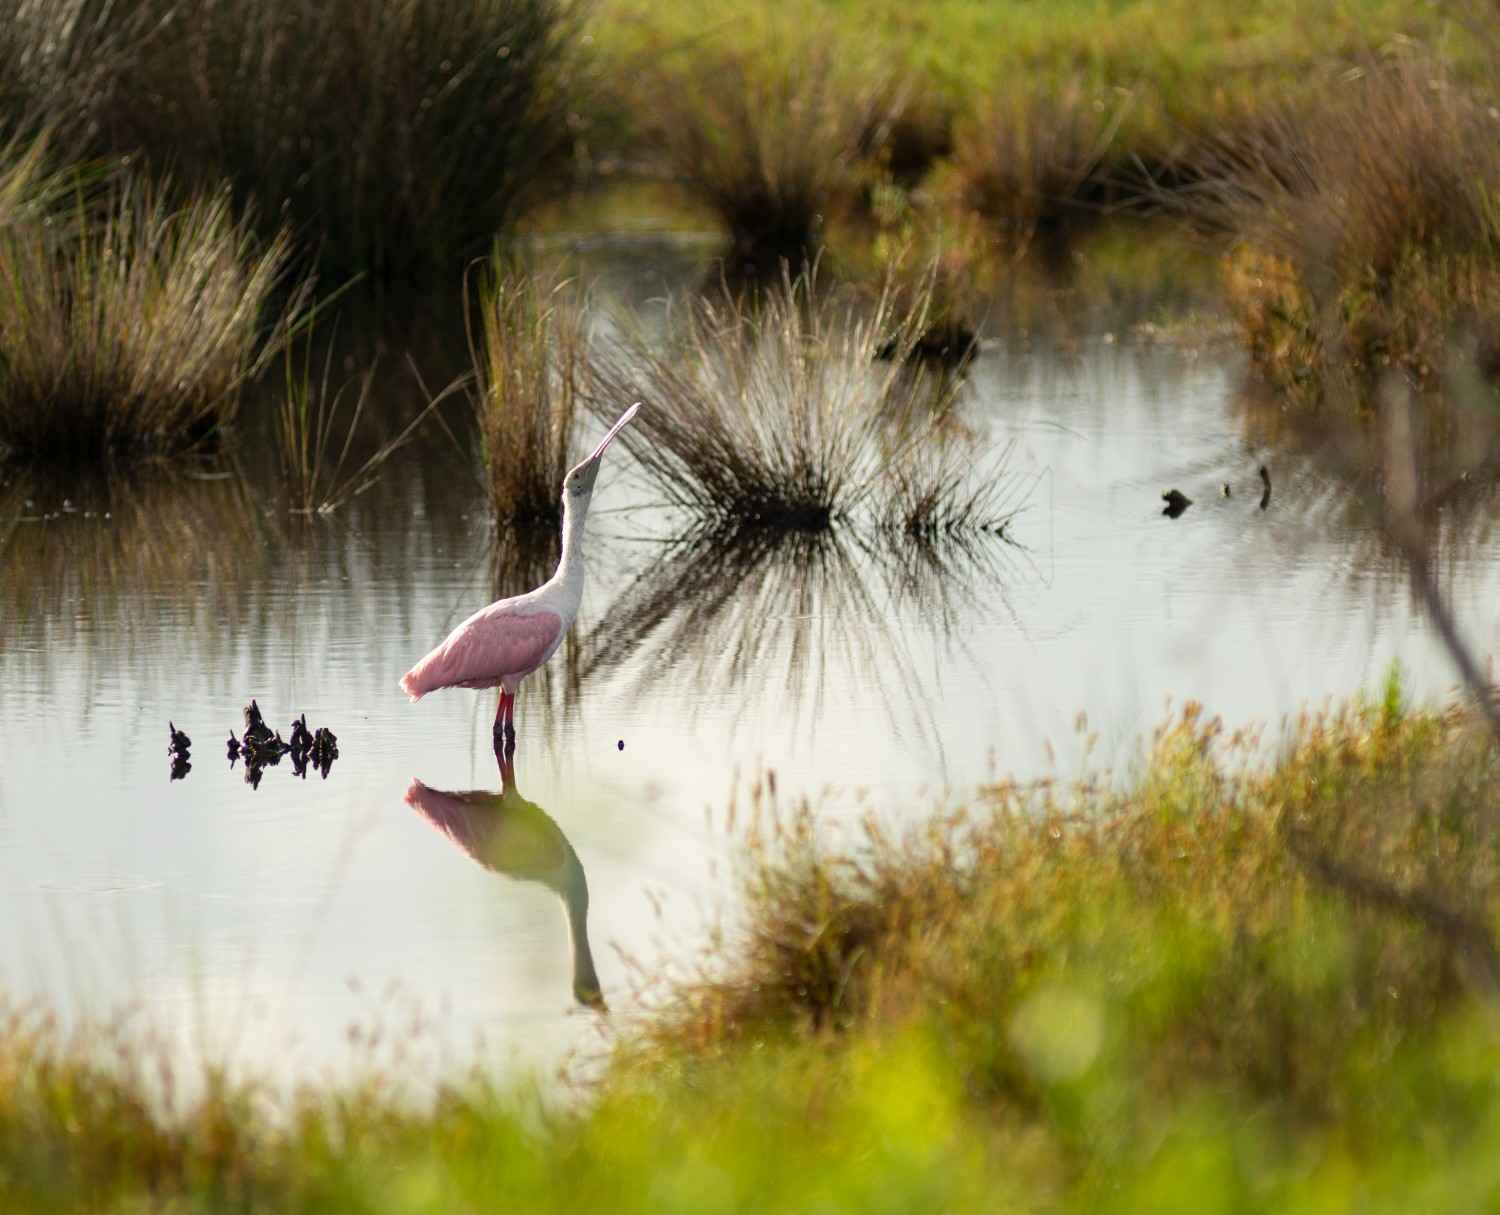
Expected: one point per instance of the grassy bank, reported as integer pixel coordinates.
(1219, 986)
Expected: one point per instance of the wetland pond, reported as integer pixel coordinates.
(305, 923)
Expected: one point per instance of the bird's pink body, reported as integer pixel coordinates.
(496, 647)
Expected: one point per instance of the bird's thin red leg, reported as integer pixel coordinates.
(502, 716)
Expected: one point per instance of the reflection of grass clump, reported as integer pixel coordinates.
(528, 364)
(391, 135)
(1368, 230)
(136, 334)
(771, 142)
(772, 409)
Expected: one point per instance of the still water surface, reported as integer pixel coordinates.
(259, 925)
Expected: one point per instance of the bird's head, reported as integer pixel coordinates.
(579, 482)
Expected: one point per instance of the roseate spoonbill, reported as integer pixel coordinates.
(498, 646)
(512, 836)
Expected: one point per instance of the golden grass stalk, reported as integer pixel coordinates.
(308, 428)
(528, 355)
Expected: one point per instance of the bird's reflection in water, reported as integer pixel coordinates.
(517, 838)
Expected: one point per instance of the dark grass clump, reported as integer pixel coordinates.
(1367, 234)
(772, 143)
(529, 367)
(771, 409)
(1036, 163)
(133, 329)
(392, 136)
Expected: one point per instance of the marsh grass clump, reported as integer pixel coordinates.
(134, 330)
(1036, 163)
(770, 408)
(529, 370)
(771, 143)
(1367, 235)
(1216, 922)
(1260, 980)
(394, 137)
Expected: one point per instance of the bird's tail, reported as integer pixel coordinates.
(409, 685)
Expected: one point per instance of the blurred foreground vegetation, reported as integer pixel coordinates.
(1216, 985)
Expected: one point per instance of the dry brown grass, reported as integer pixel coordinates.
(1037, 162)
(1367, 231)
(134, 333)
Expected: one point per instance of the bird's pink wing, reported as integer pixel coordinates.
(484, 650)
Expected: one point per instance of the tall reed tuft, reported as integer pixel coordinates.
(529, 370)
(134, 331)
(772, 408)
(944, 488)
(772, 142)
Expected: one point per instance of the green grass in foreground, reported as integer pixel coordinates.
(1224, 988)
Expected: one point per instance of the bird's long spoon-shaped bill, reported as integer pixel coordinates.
(613, 431)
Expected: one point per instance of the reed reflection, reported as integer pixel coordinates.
(107, 543)
(1335, 478)
(516, 838)
(774, 613)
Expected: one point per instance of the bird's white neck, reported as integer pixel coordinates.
(570, 568)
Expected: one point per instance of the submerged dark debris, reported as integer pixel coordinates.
(262, 748)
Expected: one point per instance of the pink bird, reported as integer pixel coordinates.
(498, 646)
